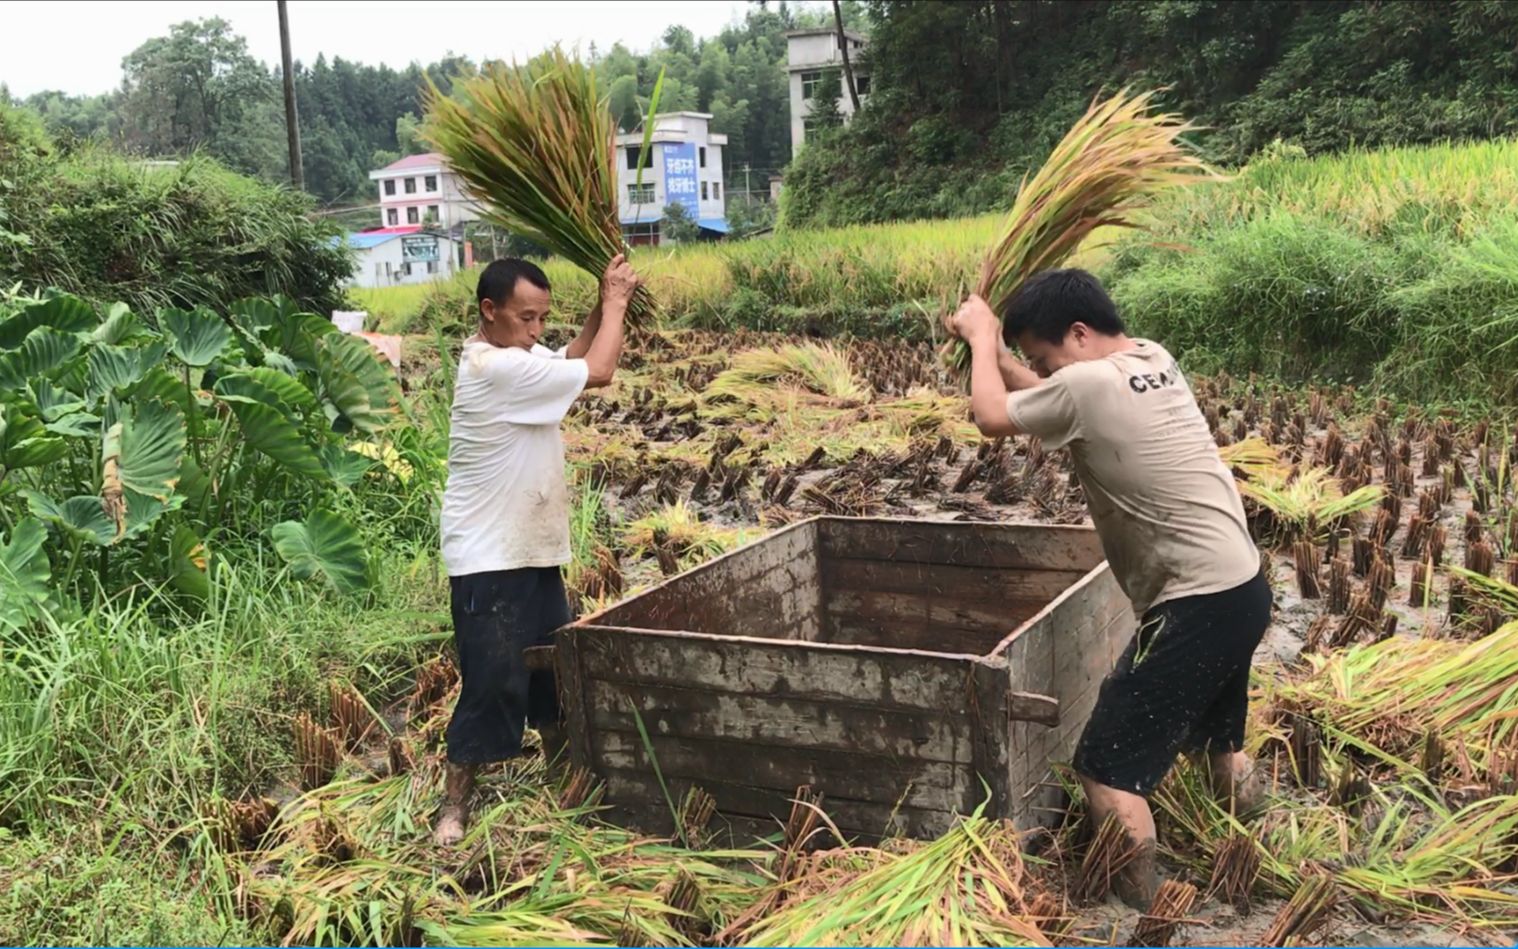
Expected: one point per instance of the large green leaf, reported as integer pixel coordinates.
(267, 386)
(357, 380)
(114, 368)
(194, 483)
(24, 574)
(141, 458)
(64, 313)
(152, 444)
(158, 383)
(43, 351)
(188, 562)
(270, 431)
(346, 467)
(324, 545)
(55, 402)
(195, 336)
(83, 517)
(121, 326)
(299, 335)
(24, 441)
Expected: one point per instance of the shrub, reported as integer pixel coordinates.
(192, 234)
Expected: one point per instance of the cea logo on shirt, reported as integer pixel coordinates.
(1149, 381)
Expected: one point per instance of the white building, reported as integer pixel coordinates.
(392, 256)
(811, 57)
(685, 168)
(420, 189)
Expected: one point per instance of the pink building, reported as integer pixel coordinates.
(419, 189)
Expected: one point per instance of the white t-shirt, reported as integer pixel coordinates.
(506, 504)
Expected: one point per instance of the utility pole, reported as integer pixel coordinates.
(843, 47)
(292, 121)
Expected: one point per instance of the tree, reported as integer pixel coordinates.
(408, 135)
(677, 226)
(190, 89)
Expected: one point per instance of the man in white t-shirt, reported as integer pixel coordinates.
(505, 522)
(1171, 525)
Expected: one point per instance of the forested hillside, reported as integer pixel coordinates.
(966, 96)
(199, 89)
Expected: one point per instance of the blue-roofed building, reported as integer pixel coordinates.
(685, 168)
(391, 256)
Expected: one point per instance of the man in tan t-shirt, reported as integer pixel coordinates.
(1172, 527)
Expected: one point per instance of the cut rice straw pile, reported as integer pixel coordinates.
(536, 146)
(968, 888)
(1384, 697)
(1111, 163)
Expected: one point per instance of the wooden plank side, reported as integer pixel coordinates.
(927, 784)
(769, 588)
(990, 728)
(569, 677)
(785, 722)
(972, 582)
(761, 812)
(910, 621)
(1016, 546)
(1040, 653)
(854, 675)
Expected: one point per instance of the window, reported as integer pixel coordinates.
(430, 182)
(701, 156)
(809, 83)
(390, 186)
(641, 194)
(406, 269)
(704, 195)
(633, 151)
(411, 216)
(392, 217)
(411, 186)
(432, 212)
(716, 191)
(432, 266)
(862, 85)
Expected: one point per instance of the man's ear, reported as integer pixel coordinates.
(487, 310)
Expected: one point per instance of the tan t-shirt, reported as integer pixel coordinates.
(1163, 502)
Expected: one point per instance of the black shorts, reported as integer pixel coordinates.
(496, 616)
(1181, 685)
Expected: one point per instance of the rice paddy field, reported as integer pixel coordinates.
(267, 770)
(1383, 703)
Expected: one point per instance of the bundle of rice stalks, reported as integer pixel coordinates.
(678, 529)
(1110, 850)
(318, 752)
(535, 145)
(1386, 695)
(1307, 505)
(1304, 914)
(813, 373)
(968, 888)
(1171, 905)
(1110, 164)
(1235, 867)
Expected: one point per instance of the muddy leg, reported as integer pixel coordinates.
(458, 784)
(1138, 881)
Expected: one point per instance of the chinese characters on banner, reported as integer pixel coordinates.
(680, 176)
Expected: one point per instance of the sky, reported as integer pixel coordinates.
(77, 45)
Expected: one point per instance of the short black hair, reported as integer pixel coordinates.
(1050, 302)
(499, 279)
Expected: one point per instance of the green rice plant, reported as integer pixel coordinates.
(1308, 504)
(1410, 855)
(682, 531)
(968, 888)
(536, 146)
(1386, 696)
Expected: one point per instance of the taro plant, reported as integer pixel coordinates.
(129, 448)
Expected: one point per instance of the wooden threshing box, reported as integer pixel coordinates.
(904, 669)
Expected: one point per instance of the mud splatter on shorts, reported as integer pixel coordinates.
(496, 616)
(1181, 685)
